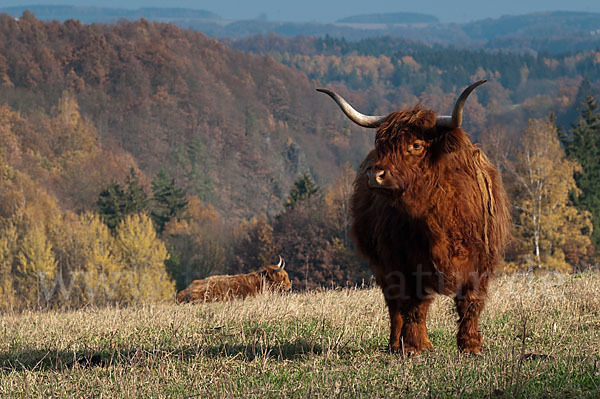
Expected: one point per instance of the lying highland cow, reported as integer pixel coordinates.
(223, 288)
(431, 217)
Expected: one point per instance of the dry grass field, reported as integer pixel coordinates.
(541, 339)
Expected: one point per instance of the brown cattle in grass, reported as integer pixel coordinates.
(223, 288)
(431, 216)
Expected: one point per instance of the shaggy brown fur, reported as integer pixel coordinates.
(435, 221)
(222, 288)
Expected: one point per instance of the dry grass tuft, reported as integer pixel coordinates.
(541, 339)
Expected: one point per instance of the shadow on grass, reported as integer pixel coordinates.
(280, 351)
(41, 360)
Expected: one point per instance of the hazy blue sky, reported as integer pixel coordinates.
(330, 10)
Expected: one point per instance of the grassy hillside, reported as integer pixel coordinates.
(541, 339)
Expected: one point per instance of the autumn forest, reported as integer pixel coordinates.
(137, 156)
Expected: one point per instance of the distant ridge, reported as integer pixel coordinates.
(551, 31)
(390, 18)
(540, 24)
(89, 14)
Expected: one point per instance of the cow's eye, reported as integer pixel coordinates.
(417, 147)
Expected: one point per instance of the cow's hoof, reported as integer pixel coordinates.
(410, 352)
(405, 351)
(469, 344)
(394, 348)
(476, 354)
(470, 347)
(426, 345)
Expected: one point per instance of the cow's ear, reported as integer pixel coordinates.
(448, 141)
(264, 272)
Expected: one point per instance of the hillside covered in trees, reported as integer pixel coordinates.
(141, 147)
(174, 99)
(387, 74)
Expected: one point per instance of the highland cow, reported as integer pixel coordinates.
(431, 216)
(223, 288)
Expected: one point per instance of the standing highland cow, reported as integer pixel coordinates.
(431, 217)
(222, 288)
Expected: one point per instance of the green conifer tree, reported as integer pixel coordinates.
(582, 143)
(303, 189)
(116, 202)
(168, 201)
(136, 199)
(111, 205)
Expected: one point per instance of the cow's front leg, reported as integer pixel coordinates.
(396, 323)
(469, 303)
(414, 336)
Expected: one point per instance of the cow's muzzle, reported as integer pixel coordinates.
(376, 178)
(381, 179)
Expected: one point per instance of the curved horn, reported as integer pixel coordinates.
(280, 265)
(454, 121)
(370, 121)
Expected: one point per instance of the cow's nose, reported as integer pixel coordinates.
(376, 177)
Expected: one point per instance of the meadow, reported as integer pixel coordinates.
(541, 339)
